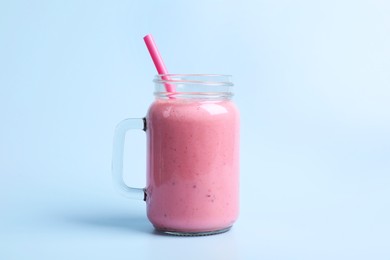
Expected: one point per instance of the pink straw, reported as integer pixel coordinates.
(158, 61)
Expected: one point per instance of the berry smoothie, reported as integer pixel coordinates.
(193, 164)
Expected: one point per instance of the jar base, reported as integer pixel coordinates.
(192, 234)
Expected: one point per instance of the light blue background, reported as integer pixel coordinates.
(312, 83)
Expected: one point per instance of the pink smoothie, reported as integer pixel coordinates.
(193, 164)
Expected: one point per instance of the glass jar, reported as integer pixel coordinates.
(192, 155)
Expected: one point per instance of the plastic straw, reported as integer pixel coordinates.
(158, 61)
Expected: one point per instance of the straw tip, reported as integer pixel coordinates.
(148, 36)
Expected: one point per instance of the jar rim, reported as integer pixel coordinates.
(203, 79)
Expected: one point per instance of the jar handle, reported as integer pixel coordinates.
(117, 157)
